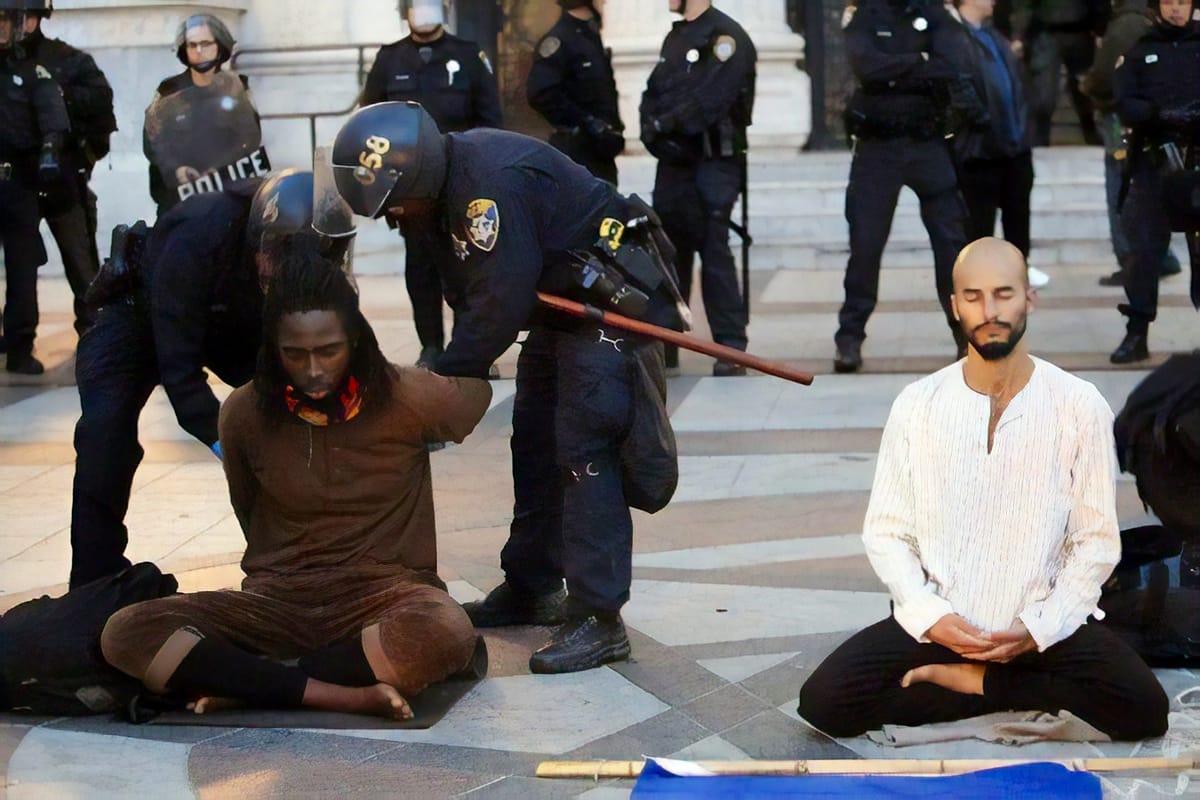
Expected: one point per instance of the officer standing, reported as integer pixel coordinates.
(33, 127)
(1157, 87)
(181, 300)
(520, 216)
(89, 101)
(694, 114)
(908, 56)
(453, 80)
(571, 84)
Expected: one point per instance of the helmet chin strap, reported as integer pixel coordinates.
(206, 66)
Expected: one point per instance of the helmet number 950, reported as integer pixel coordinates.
(376, 148)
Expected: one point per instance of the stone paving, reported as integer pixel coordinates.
(742, 585)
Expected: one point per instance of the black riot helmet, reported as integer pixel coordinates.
(220, 34)
(282, 206)
(387, 154)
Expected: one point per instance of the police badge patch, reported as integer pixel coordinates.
(724, 48)
(549, 46)
(483, 224)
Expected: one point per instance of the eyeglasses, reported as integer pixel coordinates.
(204, 45)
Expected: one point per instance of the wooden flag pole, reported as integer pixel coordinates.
(675, 337)
(876, 766)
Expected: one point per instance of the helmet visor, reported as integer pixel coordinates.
(332, 215)
(365, 190)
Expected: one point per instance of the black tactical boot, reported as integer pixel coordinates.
(582, 643)
(505, 606)
(1134, 347)
(1115, 279)
(429, 356)
(848, 358)
(24, 365)
(728, 369)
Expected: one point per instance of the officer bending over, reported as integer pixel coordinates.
(33, 127)
(181, 300)
(571, 84)
(453, 80)
(521, 216)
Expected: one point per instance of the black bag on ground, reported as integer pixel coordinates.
(1158, 440)
(1152, 600)
(50, 660)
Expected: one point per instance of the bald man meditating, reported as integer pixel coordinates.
(993, 523)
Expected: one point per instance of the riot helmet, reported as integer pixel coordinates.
(424, 17)
(388, 154)
(281, 209)
(208, 37)
(13, 14)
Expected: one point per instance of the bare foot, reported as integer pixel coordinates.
(961, 678)
(207, 705)
(382, 700)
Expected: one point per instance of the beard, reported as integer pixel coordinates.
(995, 351)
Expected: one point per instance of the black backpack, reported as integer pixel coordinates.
(50, 660)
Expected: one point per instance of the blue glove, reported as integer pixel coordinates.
(216, 448)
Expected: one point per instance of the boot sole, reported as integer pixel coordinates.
(607, 655)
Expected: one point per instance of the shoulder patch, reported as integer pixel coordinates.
(725, 47)
(486, 63)
(848, 15)
(549, 46)
(43, 73)
(483, 224)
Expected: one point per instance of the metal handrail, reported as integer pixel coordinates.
(312, 116)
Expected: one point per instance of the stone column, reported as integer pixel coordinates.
(634, 29)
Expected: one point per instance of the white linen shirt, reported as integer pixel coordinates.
(1028, 531)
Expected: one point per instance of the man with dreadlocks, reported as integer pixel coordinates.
(326, 454)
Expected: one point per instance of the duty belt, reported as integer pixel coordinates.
(6, 170)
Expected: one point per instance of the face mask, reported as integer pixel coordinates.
(426, 14)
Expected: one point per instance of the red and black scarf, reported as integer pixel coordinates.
(344, 406)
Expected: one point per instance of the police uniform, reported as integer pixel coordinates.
(89, 100)
(515, 210)
(1157, 88)
(694, 114)
(571, 84)
(906, 57)
(453, 80)
(32, 114)
(197, 306)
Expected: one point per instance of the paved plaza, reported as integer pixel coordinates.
(741, 586)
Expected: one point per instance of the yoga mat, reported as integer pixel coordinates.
(428, 708)
(1006, 783)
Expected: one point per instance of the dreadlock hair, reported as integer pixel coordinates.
(304, 280)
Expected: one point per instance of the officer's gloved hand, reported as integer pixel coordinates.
(608, 140)
(216, 449)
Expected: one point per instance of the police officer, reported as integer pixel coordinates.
(694, 114)
(1157, 88)
(521, 216)
(190, 301)
(571, 84)
(33, 127)
(453, 80)
(89, 101)
(909, 59)
(203, 45)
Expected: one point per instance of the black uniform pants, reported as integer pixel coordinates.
(572, 411)
(24, 252)
(578, 148)
(695, 203)
(116, 370)
(880, 168)
(75, 234)
(1049, 52)
(423, 267)
(1145, 221)
(1092, 673)
(998, 184)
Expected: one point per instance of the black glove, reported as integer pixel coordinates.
(608, 141)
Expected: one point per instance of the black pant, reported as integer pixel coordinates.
(1145, 221)
(423, 265)
(24, 252)
(1049, 52)
(578, 147)
(998, 184)
(75, 234)
(574, 401)
(116, 371)
(1092, 673)
(880, 168)
(695, 203)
